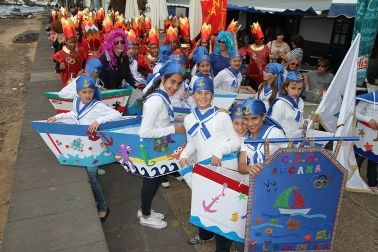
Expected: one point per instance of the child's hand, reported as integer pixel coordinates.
(51, 119)
(93, 127)
(180, 129)
(254, 169)
(248, 89)
(184, 162)
(314, 117)
(186, 95)
(215, 161)
(62, 67)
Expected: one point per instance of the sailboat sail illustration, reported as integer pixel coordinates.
(287, 206)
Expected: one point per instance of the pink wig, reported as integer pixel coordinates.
(109, 46)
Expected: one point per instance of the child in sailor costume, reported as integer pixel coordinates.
(200, 57)
(287, 109)
(210, 135)
(157, 114)
(367, 111)
(272, 85)
(180, 98)
(260, 126)
(89, 110)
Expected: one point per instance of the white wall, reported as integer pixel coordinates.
(317, 29)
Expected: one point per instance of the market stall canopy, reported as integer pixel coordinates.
(343, 7)
(289, 7)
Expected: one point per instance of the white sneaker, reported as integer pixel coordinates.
(154, 214)
(179, 178)
(100, 171)
(152, 222)
(165, 184)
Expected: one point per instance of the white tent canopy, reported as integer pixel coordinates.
(131, 9)
(157, 12)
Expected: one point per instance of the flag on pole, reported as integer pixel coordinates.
(336, 112)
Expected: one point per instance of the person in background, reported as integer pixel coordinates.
(224, 47)
(296, 51)
(278, 47)
(318, 81)
(293, 65)
(270, 89)
(115, 62)
(287, 109)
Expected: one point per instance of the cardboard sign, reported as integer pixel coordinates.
(147, 157)
(219, 201)
(367, 146)
(294, 202)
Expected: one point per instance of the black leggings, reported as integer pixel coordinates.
(149, 189)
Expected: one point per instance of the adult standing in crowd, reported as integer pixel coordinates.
(115, 62)
(278, 47)
(296, 51)
(224, 47)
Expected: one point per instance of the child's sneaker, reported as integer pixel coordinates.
(165, 184)
(197, 240)
(100, 171)
(152, 222)
(154, 214)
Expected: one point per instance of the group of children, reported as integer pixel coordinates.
(276, 112)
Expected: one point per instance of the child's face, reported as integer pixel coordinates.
(240, 127)
(236, 63)
(203, 99)
(86, 95)
(268, 76)
(172, 84)
(294, 89)
(130, 51)
(204, 68)
(71, 43)
(254, 123)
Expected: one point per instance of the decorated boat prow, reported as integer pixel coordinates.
(73, 145)
(115, 98)
(147, 157)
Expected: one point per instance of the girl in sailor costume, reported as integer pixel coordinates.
(238, 123)
(287, 109)
(157, 114)
(229, 79)
(367, 111)
(180, 98)
(260, 126)
(203, 65)
(210, 135)
(133, 63)
(89, 110)
(272, 85)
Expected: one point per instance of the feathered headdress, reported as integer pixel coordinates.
(107, 24)
(168, 22)
(205, 32)
(184, 27)
(233, 26)
(172, 34)
(54, 15)
(92, 35)
(100, 15)
(256, 31)
(69, 27)
(132, 36)
(119, 22)
(147, 23)
(153, 36)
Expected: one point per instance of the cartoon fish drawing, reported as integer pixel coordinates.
(259, 220)
(322, 235)
(234, 217)
(175, 154)
(292, 224)
(268, 231)
(273, 221)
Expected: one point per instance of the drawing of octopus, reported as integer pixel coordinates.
(125, 151)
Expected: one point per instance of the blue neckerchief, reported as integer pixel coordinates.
(201, 120)
(267, 89)
(235, 74)
(166, 100)
(293, 104)
(202, 75)
(85, 109)
(258, 155)
(131, 62)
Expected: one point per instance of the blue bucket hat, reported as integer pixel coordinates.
(203, 83)
(93, 66)
(85, 81)
(294, 76)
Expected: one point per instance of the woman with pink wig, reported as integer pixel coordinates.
(116, 69)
